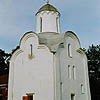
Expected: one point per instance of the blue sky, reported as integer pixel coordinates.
(79, 16)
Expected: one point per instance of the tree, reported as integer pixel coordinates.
(93, 55)
(4, 62)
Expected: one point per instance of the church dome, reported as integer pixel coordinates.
(47, 7)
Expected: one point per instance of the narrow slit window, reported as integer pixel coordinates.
(69, 71)
(72, 96)
(69, 50)
(73, 72)
(40, 24)
(82, 88)
(31, 49)
(61, 90)
(57, 23)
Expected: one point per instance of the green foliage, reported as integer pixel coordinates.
(93, 55)
(4, 62)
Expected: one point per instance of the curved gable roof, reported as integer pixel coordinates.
(72, 35)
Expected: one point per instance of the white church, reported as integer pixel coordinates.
(48, 65)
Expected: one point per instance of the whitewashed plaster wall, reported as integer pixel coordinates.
(68, 85)
(49, 21)
(45, 73)
(31, 74)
